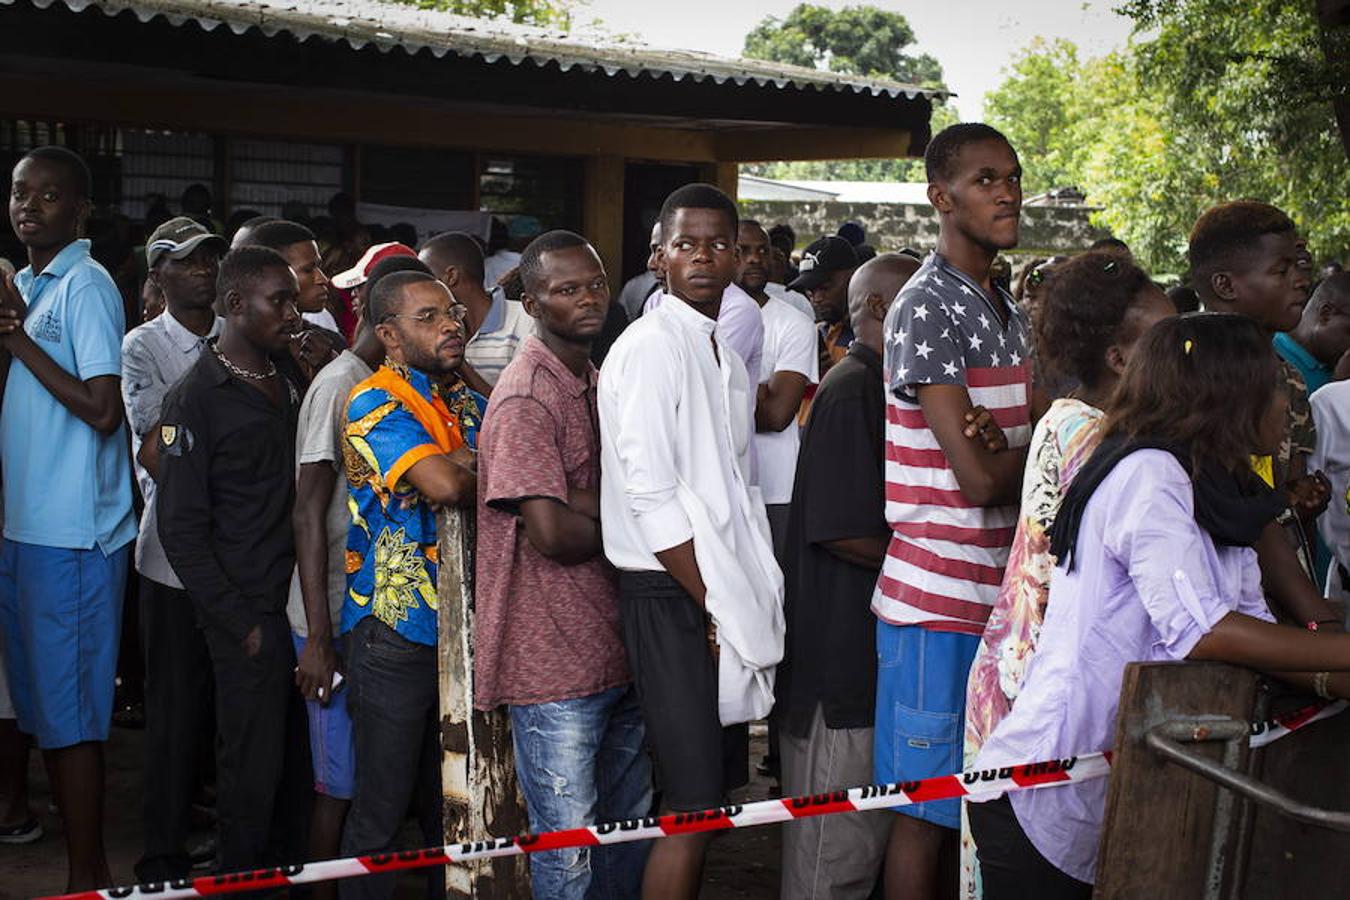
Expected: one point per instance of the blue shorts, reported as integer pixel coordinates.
(330, 740)
(61, 622)
(921, 710)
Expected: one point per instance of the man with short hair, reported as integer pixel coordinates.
(1319, 345)
(547, 637)
(495, 325)
(703, 631)
(826, 267)
(789, 365)
(319, 583)
(184, 261)
(836, 542)
(411, 435)
(954, 340)
(226, 485)
(67, 489)
(300, 249)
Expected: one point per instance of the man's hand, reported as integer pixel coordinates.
(314, 672)
(1309, 495)
(715, 650)
(12, 307)
(980, 425)
(585, 501)
(312, 350)
(253, 643)
(465, 458)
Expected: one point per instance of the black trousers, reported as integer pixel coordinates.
(179, 725)
(264, 784)
(396, 727)
(1010, 865)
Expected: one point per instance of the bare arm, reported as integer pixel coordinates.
(986, 477)
(562, 533)
(96, 402)
(779, 399)
(474, 380)
(1284, 581)
(446, 479)
(1247, 641)
(868, 552)
(679, 561)
(317, 661)
(148, 455)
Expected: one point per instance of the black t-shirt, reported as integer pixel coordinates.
(840, 492)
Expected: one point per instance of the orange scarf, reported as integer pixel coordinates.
(434, 415)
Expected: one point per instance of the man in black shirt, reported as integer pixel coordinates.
(225, 491)
(836, 539)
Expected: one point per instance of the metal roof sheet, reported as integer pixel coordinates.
(387, 25)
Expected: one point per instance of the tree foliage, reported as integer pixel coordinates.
(855, 40)
(1214, 100)
(859, 40)
(544, 13)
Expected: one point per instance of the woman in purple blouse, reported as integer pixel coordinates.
(1154, 542)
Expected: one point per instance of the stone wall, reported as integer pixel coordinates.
(1046, 230)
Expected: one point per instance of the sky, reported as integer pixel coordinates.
(975, 40)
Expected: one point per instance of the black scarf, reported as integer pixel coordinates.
(1234, 510)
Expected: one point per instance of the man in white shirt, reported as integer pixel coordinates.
(640, 287)
(686, 529)
(789, 364)
(496, 326)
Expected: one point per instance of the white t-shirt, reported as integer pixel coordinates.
(324, 319)
(789, 346)
(794, 299)
(319, 438)
(1331, 416)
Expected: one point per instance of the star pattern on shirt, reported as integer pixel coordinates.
(943, 325)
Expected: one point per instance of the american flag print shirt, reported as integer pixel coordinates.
(946, 557)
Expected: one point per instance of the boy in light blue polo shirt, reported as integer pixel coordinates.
(67, 493)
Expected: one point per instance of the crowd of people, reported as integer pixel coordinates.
(916, 521)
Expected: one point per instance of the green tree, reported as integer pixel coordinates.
(855, 40)
(1214, 100)
(859, 40)
(545, 13)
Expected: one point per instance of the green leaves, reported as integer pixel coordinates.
(1214, 100)
(859, 40)
(545, 13)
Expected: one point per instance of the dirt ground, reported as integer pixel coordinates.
(743, 863)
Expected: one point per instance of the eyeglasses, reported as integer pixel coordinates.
(454, 313)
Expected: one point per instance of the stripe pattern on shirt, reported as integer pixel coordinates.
(946, 557)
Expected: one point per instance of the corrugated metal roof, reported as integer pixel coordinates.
(387, 25)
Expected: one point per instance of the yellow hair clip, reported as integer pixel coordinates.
(1186, 347)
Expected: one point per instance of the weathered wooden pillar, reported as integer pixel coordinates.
(478, 776)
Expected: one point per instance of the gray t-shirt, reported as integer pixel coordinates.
(319, 438)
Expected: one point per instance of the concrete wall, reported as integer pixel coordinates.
(1045, 230)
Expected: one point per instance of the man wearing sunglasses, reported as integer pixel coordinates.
(411, 438)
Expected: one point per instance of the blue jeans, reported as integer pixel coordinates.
(581, 762)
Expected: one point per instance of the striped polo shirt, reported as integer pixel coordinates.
(499, 338)
(946, 556)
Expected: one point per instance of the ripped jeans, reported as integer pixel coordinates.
(581, 762)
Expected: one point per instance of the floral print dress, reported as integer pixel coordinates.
(1063, 440)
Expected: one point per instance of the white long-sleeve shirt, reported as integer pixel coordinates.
(675, 438)
(1331, 416)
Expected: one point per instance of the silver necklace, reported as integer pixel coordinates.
(244, 373)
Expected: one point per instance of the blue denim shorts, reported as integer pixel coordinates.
(921, 710)
(330, 740)
(61, 619)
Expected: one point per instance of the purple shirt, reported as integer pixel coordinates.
(1146, 588)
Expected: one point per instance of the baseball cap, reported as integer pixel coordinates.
(358, 273)
(177, 238)
(821, 260)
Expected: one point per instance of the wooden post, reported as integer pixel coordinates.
(602, 212)
(1169, 833)
(478, 776)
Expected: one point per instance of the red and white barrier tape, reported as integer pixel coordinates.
(1265, 732)
(987, 783)
(977, 783)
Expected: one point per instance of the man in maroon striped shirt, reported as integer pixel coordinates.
(954, 342)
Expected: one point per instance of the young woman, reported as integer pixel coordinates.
(1155, 562)
(1089, 317)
